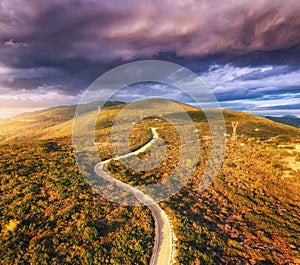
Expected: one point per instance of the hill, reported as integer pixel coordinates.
(43, 124)
(249, 215)
(57, 122)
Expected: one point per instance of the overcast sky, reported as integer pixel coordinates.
(247, 51)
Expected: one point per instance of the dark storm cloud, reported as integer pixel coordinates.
(231, 82)
(52, 32)
(63, 46)
(259, 93)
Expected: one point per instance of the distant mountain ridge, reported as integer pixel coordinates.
(291, 120)
(290, 116)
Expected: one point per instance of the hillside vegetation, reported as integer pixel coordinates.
(49, 215)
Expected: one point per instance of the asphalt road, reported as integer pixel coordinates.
(162, 250)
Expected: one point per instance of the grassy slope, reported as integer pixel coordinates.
(57, 122)
(44, 124)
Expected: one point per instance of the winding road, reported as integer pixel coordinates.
(162, 250)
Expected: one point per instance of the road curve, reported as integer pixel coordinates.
(162, 250)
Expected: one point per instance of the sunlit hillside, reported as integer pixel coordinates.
(50, 215)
